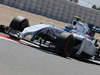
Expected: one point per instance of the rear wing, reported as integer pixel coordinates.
(96, 29)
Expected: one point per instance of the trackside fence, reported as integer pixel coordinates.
(62, 10)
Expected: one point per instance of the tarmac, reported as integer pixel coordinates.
(20, 59)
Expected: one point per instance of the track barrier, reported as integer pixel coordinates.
(62, 10)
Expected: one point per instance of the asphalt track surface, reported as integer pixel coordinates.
(20, 59)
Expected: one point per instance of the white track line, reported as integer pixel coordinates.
(21, 41)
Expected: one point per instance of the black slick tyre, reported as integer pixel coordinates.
(65, 44)
(19, 23)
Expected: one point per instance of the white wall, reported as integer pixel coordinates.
(62, 10)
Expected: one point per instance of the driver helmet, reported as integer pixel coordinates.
(68, 28)
(51, 24)
(74, 22)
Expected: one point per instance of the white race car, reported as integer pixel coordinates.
(46, 35)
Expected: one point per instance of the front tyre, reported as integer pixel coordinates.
(65, 44)
(19, 23)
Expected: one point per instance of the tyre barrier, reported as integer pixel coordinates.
(62, 10)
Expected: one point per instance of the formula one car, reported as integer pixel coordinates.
(46, 36)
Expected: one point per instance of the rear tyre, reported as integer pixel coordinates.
(65, 44)
(19, 23)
